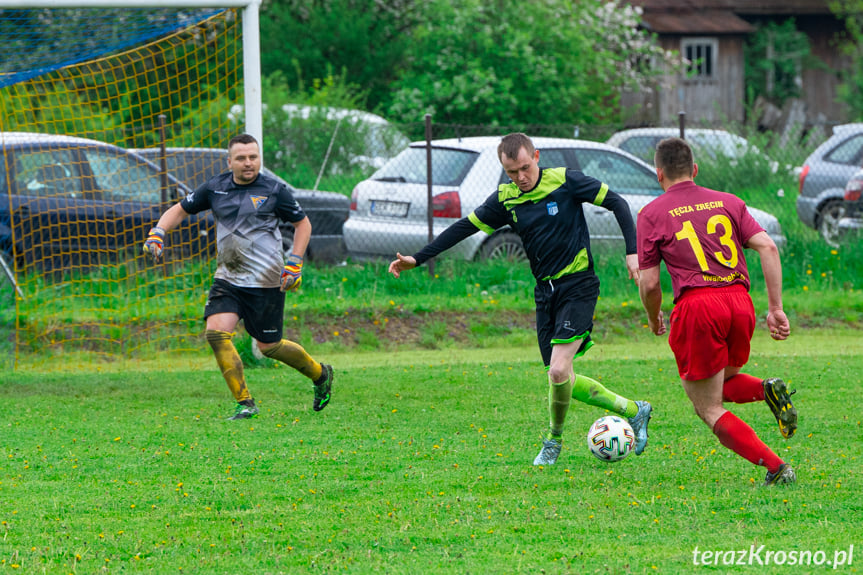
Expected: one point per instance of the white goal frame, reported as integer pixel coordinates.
(251, 40)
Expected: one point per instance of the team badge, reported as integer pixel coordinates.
(257, 201)
(552, 208)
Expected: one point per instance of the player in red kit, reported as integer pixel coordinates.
(700, 234)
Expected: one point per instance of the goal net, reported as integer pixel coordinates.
(81, 91)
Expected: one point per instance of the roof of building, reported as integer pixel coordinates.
(719, 16)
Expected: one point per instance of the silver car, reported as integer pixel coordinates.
(641, 142)
(389, 211)
(821, 203)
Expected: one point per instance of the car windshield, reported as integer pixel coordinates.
(121, 178)
(641, 146)
(449, 167)
(848, 152)
(622, 175)
(729, 145)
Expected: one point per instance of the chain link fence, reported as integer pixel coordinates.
(794, 180)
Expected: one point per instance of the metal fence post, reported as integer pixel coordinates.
(429, 208)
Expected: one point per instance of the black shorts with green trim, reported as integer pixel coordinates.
(564, 311)
(261, 309)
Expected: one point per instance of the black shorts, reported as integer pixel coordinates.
(564, 311)
(261, 309)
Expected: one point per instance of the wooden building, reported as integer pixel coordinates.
(711, 34)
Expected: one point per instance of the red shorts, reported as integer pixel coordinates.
(710, 330)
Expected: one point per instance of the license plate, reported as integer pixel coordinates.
(390, 209)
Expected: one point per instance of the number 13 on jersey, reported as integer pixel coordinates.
(718, 224)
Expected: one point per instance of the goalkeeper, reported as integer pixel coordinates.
(544, 207)
(251, 279)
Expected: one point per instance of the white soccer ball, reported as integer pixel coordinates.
(610, 438)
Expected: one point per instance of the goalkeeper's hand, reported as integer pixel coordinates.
(155, 242)
(292, 275)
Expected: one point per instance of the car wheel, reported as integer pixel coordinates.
(503, 245)
(828, 221)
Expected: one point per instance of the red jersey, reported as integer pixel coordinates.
(699, 233)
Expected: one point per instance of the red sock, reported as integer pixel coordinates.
(742, 388)
(734, 434)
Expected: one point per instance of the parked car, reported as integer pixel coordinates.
(823, 177)
(852, 221)
(389, 210)
(641, 142)
(380, 139)
(327, 211)
(77, 203)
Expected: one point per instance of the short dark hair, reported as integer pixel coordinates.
(512, 143)
(242, 139)
(674, 157)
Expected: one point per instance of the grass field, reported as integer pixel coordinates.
(422, 464)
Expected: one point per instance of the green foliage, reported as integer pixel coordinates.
(850, 91)
(421, 462)
(481, 64)
(774, 57)
(366, 39)
(304, 136)
(52, 108)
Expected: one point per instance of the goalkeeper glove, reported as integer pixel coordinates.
(155, 242)
(292, 275)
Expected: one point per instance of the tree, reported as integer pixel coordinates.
(775, 56)
(366, 39)
(851, 45)
(502, 63)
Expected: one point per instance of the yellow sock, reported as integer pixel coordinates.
(294, 355)
(229, 362)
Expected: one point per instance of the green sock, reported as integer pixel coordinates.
(592, 392)
(559, 395)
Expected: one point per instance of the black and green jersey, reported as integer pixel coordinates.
(549, 219)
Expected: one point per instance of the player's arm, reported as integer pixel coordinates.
(620, 208)
(302, 236)
(771, 267)
(448, 238)
(650, 291)
(154, 244)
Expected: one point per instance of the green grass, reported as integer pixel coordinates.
(421, 463)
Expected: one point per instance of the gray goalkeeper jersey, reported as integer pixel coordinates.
(248, 237)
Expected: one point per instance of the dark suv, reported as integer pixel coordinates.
(327, 211)
(78, 203)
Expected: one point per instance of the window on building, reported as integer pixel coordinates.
(701, 54)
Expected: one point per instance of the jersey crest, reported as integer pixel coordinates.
(552, 208)
(257, 201)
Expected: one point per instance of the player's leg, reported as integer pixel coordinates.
(558, 395)
(263, 315)
(741, 387)
(220, 332)
(222, 313)
(744, 388)
(732, 432)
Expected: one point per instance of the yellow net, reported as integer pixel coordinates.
(83, 178)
